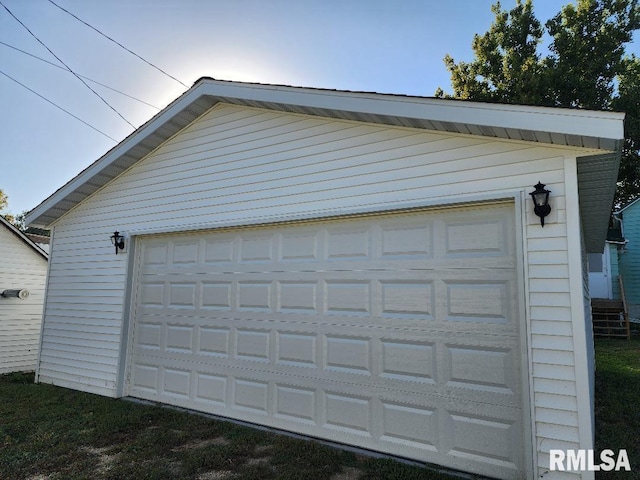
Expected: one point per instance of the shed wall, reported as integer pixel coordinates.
(629, 261)
(20, 320)
(238, 165)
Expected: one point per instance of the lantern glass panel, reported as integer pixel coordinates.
(540, 198)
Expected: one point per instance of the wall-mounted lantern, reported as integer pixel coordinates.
(117, 240)
(540, 197)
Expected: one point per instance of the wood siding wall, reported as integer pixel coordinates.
(20, 320)
(240, 165)
(629, 261)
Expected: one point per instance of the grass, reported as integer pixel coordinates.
(53, 433)
(617, 401)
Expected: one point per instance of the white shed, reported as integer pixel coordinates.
(23, 268)
(357, 267)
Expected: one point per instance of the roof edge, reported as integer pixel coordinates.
(13, 229)
(606, 128)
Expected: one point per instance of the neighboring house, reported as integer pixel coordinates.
(621, 257)
(357, 267)
(604, 269)
(23, 266)
(40, 240)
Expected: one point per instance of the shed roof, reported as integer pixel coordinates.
(628, 205)
(32, 245)
(595, 136)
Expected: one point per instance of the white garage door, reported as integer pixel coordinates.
(398, 333)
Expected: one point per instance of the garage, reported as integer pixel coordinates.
(357, 267)
(397, 332)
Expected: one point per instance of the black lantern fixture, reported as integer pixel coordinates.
(117, 240)
(540, 197)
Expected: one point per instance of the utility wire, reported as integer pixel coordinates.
(67, 66)
(56, 105)
(119, 44)
(86, 78)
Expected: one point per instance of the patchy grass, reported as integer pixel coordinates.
(52, 433)
(617, 398)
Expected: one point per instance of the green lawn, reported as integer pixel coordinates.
(54, 433)
(618, 401)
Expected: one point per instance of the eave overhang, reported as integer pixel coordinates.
(596, 135)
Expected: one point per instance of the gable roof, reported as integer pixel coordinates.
(596, 137)
(13, 229)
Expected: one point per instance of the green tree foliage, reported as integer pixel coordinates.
(17, 220)
(507, 67)
(4, 203)
(4, 200)
(586, 67)
(588, 49)
(628, 100)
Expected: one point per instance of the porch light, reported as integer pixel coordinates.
(540, 197)
(117, 240)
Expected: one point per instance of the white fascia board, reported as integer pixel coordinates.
(599, 124)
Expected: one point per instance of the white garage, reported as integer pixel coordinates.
(397, 332)
(355, 267)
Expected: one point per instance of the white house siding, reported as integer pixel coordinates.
(238, 165)
(21, 267)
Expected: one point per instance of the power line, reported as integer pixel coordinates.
(86, 78)
(119, 44)
(57, 106)
(67, 66)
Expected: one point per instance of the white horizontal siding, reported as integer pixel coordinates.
(240, 165)
(21, 267)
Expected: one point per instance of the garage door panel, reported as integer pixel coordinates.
(483, 439)
(482, 368)
(421, 380)
(401, 296)
(424, 328)
(298, 342)
(477, 239)
(292, 340)
(219, 385)
(423, 266)
(398, 333)
(478, 301)
(216, 295)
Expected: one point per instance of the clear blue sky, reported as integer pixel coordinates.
(390, 46)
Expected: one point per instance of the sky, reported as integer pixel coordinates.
(386, 46)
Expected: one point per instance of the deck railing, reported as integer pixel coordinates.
(625, 311)
(610, 317)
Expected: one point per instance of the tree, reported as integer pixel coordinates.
(588, 49)
(17, 220)
(628, 100)
(507, 67)
(4, 200)
(586, 67)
